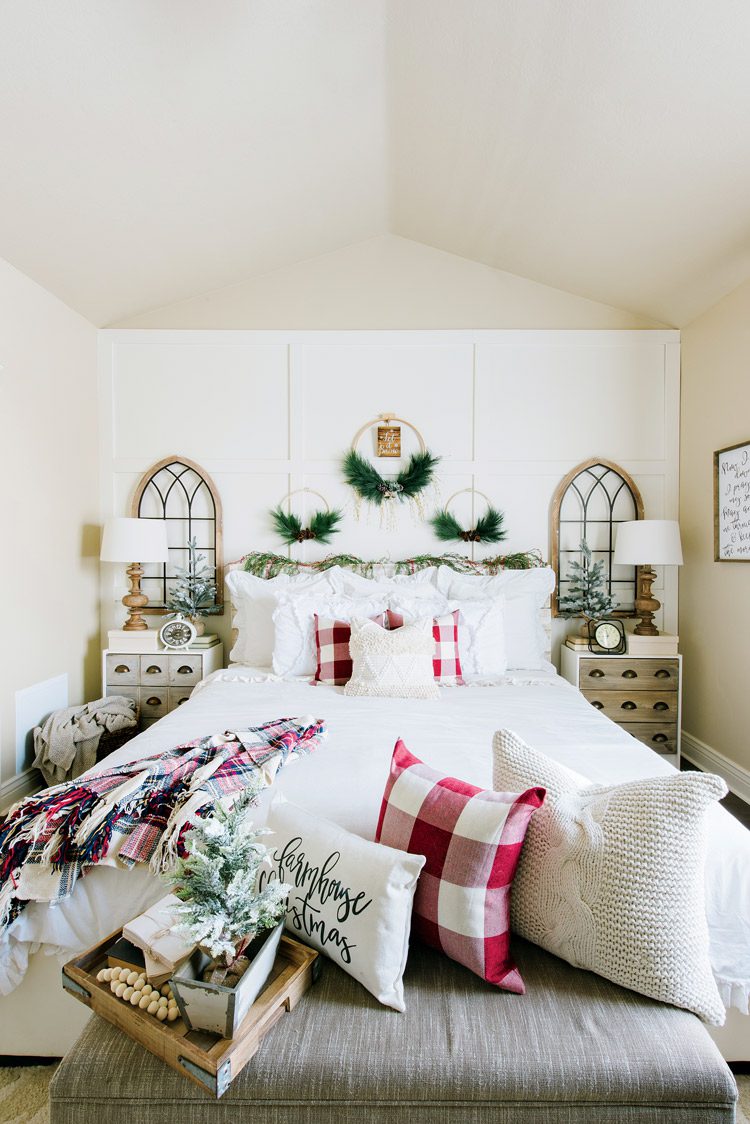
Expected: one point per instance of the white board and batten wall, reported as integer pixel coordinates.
(267, 412)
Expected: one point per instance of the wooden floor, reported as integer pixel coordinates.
(739, 809)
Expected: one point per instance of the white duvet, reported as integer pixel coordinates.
(344, 779)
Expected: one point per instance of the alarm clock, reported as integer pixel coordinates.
(177, 633)
(607, 635)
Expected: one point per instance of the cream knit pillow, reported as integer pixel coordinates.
(394, 663)
(612, 878)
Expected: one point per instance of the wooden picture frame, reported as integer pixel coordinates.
(732, 503)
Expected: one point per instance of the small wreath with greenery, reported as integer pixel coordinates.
(321, 527)
(488, 528)
(369, 485)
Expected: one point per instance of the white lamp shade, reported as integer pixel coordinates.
(648, 542)
(134, 540)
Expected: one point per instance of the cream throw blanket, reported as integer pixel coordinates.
(65, 744)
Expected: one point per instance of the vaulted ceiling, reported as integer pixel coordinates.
(151, 150)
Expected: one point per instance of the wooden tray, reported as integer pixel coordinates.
(209, 1061)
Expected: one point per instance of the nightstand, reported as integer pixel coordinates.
(643, 694)
(158, 681)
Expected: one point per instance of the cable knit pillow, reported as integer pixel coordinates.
(396, 664)
(446, 632)
(334, 660)
(472, 839)
(612, 877)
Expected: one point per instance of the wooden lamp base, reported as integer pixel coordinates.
(135, 600)
(645, 604)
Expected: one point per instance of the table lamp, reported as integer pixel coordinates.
(125, 539)
(645, 543)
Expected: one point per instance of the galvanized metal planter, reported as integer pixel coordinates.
(206, 1006)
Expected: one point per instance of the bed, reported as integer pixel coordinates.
(343, 780)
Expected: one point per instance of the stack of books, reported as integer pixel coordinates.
(145, 640)
(662, 645)
(208, 640)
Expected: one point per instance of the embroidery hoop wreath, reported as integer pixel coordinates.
(322, 525)
(409, 485)
(488, 528)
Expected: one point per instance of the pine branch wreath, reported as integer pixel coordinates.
(488, 528)
(369, 485)
(289, 527)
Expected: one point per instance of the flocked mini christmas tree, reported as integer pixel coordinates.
(193, 593)
(216, 881)
(586, 596)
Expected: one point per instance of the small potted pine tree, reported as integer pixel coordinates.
(193, 593)
(586, 596)
(237, 928)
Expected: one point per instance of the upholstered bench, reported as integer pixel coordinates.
(574, 1049)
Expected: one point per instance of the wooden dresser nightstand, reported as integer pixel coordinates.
(158, 681)
(643, 694)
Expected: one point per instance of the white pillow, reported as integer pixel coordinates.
(611, 878)
(481, 632)
(395, 664)
(350, 898)
(524, 593)
(294, 626)
(420, 584)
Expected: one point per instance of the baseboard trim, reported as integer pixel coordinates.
(711, 761)
(23, 784)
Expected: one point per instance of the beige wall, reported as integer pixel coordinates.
(714, 596)
(387, 282)
(50, 498)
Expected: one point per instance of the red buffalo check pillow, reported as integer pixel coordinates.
(472, 839)
(446, 664)
(333, 658)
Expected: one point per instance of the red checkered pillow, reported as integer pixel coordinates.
(334, 661)
(446, 664)
(472, 839)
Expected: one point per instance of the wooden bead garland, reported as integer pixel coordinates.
(133, 988)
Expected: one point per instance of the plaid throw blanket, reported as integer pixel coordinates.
(135, 813)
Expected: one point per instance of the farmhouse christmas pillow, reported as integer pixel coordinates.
(350, 898)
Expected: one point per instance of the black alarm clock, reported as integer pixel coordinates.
(607, 635)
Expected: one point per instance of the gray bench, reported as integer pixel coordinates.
(574, 1050)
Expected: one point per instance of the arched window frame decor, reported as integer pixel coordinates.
(180, 465)
(588, 468)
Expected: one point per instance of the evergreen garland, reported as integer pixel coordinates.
(586, 596)
(488, 528)
(369, 485)
(289, 527)
(221, 910)
(267, 565)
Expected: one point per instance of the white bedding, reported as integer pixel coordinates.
(344, 780)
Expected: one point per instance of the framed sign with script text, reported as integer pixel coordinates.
(732, 503)
(389, 441)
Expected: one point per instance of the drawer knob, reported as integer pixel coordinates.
(153, 670)
(597, 673)
(154, 701)
(661, 706)
(121, 669)
(660, 738)
(597, 704)
(629, 674)
(181, 701)
(184, 670)
(628, 705)
(662, 673)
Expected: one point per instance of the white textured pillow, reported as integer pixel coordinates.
(481, 637)
(420, 584)
(350, 898)
(253, 603)
(396, 664)
(524, 593)
(611, 878)
(294, 650)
